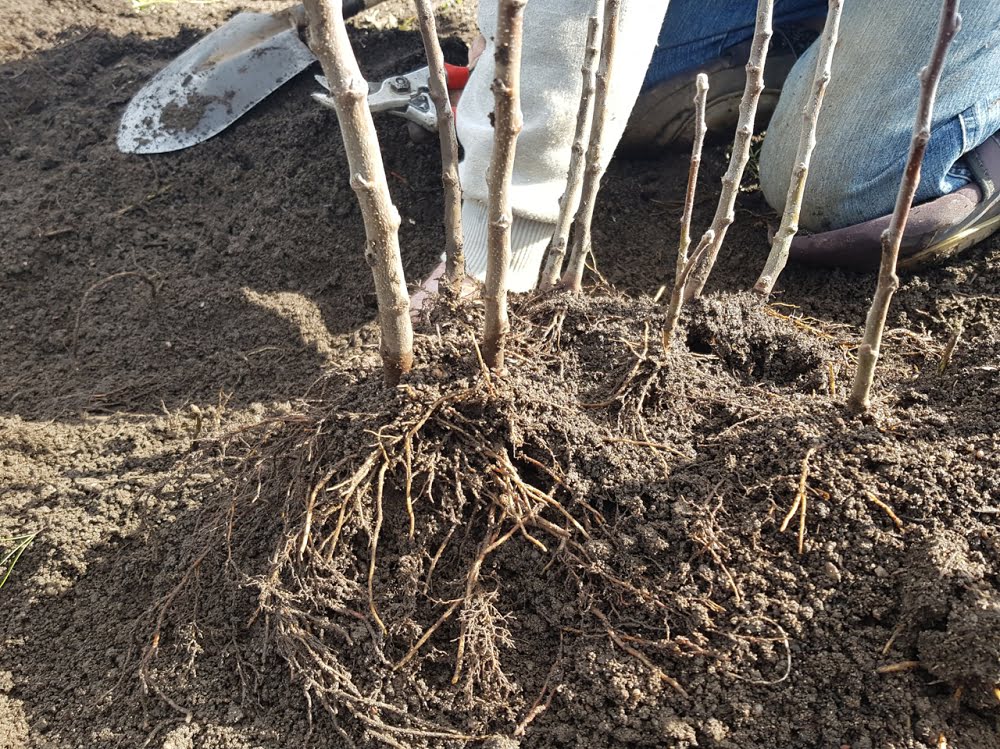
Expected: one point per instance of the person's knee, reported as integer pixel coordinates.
(831, 196)
(853, 173)
(866, 121)
(831, 177)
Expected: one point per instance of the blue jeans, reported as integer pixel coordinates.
(867, 119)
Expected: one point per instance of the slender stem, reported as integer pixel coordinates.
(700, 128)
(888, 281)
(573, 278)
(782, 242)
(349, 91)
(686, 265)
(556, 251)
(507, 123)
(680, 284)
(725, 214)
(454, 242)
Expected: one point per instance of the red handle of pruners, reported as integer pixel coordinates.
(456, 75)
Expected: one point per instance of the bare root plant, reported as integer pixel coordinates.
(684, 266)
(445, 474)
(507, 123)
(349, 91)
(782, 242)
(888, 281)
(556, 251)
(704, 259)
(454, 241)
(689, 283)
(395, 526)
(582, 241)
(445, 467)
(700, 130)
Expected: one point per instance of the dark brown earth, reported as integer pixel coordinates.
(152, 305)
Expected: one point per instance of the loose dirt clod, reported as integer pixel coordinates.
(955, 612)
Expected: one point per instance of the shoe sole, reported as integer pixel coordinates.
(663, 117)
(983, 222)
(958, 241)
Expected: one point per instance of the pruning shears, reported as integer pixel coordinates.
(406, 96)
(229, 71)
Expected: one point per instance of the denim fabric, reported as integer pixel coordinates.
(868, 113)
(695, 32)
(870, 105)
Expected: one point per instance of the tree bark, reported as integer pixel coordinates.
(680, 284)
(700, 129)
(888, 281)
(782, 242)
(725, 213)
(454, 242)
(349, 91)
(686, 265)
(507, 123)
(556, 252)
(573, 278)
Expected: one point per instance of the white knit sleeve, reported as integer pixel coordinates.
(554, 38)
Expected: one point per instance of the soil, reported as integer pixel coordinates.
(174, 325)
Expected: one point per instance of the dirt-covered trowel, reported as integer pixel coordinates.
(219, 79)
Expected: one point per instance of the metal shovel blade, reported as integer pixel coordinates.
(213, 83)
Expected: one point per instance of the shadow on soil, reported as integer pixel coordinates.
(143, 283)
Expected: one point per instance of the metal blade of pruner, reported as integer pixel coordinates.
(406, 96)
